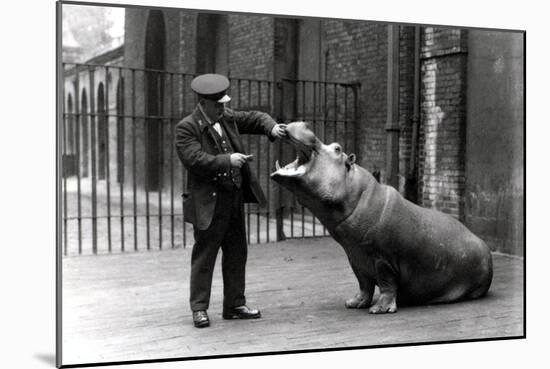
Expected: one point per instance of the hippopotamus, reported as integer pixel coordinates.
(414, 255)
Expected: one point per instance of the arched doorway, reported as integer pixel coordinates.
(155, 42)
(70, 126)
(69, 164)
(120, 130)
(101, 132)
(84, 118)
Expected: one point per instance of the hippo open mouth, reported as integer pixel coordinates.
(304, 141)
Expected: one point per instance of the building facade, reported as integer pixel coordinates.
(437, 112)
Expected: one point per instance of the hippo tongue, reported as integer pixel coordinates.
(291, 169)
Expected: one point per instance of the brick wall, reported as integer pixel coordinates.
(443, 117)
(251, 46)
(357, 52)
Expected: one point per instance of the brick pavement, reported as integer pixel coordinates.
(134, 306)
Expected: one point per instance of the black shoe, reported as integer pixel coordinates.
(241, 312)
(200, 319)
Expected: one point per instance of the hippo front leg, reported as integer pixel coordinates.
(386, 278)
(363, 298)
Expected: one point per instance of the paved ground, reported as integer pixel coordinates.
(134, 306)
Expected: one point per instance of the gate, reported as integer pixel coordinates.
(117, 196)
(331, 110)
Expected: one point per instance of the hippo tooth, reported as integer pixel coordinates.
(277, 166)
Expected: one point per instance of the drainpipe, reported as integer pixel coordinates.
(412, 175)
(284, 72)
(392, 122)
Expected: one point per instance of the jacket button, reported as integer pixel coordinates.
(214, 194)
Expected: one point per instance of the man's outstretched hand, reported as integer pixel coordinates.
(279, 131)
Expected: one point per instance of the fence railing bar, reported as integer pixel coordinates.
(172, 154)
(184, 188)
(147, 184)
(258, 161)
(346, 123)
(328, 83)
(115, 216)
(335, 120)
(314, 105)
(94, 161)
(268, 167)
(183, 171)
(160, 85)
(64, 174)
(121, 194)
(78, 164)
(108, 159)
(325, 110)
(134, 160)
(83, 66)
(249, 148)
(304, 106)
(292, 211)
(120, 137)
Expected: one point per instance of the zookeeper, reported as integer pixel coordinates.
(220, 181)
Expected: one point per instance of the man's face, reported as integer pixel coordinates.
(213, 109)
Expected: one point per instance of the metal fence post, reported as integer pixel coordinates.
(279, 97)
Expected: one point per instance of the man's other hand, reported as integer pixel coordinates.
(237, 159)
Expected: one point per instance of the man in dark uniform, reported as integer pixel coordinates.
(209, 145)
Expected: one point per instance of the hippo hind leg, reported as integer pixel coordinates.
(387, 282)
(485, 279)
(385, 304)
(363, 298)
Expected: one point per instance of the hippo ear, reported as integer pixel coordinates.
(350, 161)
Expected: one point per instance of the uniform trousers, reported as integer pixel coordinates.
(227, 231)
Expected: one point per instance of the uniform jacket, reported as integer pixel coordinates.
(209, 169)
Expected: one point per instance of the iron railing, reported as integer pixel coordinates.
(332, 111)
(121, 178)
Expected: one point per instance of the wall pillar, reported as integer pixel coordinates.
(392, 122)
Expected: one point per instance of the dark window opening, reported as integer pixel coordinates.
(84, 119)
(101, 132)
(120, 130)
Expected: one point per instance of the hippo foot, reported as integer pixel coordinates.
(360, 301)
(385, 304)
